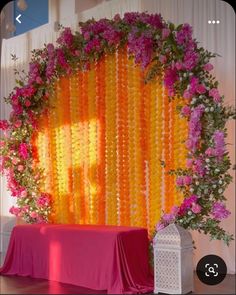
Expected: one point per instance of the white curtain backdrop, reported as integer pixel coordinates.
(219, 38)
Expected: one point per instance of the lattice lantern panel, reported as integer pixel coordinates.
(173, 267)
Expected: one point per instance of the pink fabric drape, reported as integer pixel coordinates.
(108, 258)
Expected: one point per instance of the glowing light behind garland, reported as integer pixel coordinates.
(102, 144)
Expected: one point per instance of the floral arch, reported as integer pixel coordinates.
(161, 50)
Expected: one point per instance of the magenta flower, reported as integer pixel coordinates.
(184, 34)
(195, 128)
(171, 76)
(28, 91)
(61, 59)
(192, 199)
(215, 94)
(219, 142)
(165, 33)
(187, 94)
(219, 211)
(66, 37)
(112, 36)
(187, 180)
(117, 17)
(27, 103)
(180, 181)
(190, 60)
(23, 150)
(193, 85)
(154, 20)
(187, 203)
(141, 47)
(201, 89)
(93, 45)
(4, 125)
(186, 111)
(199, 167)
(50, 49)
(33, 72)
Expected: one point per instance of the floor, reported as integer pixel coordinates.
(26, 285)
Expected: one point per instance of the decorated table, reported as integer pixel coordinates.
(112, 258)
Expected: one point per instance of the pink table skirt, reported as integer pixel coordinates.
(111, 258)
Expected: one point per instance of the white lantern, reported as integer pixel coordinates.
(173, 260)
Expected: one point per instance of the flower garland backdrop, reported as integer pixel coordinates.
(164, 52)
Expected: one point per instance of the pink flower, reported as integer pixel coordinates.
(50, 49)
(210, 151)
(168, 218)
(2, 143)
(174, 210)
(39, 80)
(186, 111)
(15, 161)
(160, 226)
(200, 89)
(184, 34)
(165, 33)
(180, 181)
(18, 123)
(20, 168)
(187, 94)
(189, 163)
(14, 210)
(187, 180)
(87, 36)
(208, 67)
(196, 208)
(23, 150)
(219, 211)
(66, 38)
(215, 94)
(162, 59)
(43, 200)
(23, 194)
(33, 214)
(25, 208)
(190, 60)
(4, 124)
(27, 103)
(178, 65)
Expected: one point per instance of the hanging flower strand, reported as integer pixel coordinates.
(166, 51)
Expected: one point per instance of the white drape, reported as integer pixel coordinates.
(219, 38)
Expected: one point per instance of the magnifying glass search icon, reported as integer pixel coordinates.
(211, 269)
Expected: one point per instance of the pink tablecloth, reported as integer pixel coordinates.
(108, 258)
